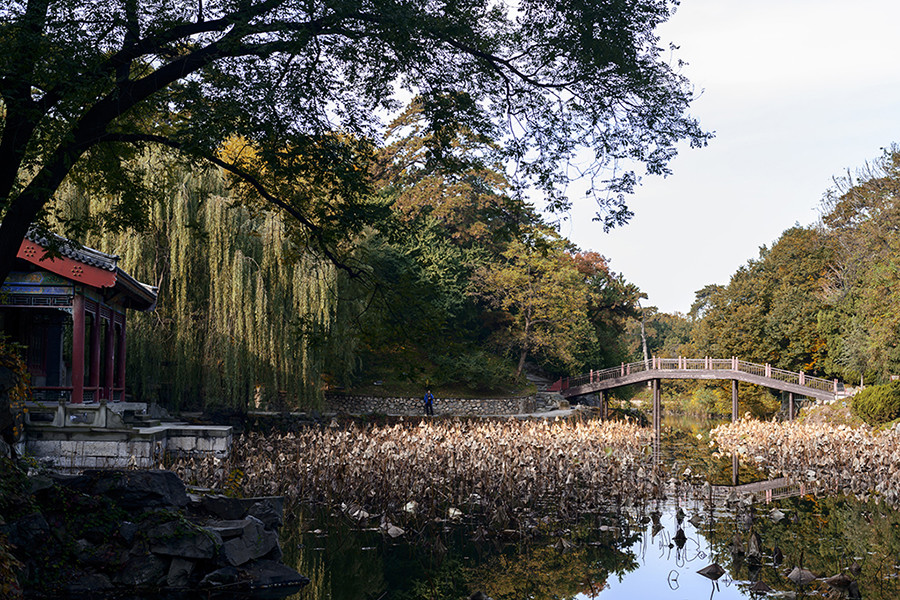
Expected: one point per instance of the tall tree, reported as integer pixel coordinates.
(541, 299)
(613, 303)
(862, 320)
(243, 316)
(85, 84)
(769, 311)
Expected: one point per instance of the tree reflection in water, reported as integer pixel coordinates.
(637, 552)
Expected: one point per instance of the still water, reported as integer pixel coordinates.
(651, 551)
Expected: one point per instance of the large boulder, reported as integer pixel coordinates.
(272, 575)
(31, 533)
(254, 542)
(180, 572)
(134, 490)
(184, 539)
(142, 571)
(88, 583)
(269, 510)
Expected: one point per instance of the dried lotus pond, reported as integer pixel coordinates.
(565, 509)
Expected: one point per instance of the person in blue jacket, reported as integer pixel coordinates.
(429, 403)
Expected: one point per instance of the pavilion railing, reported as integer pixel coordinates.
(65, 414)
(91, 394)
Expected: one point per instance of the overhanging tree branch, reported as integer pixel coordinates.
(251, 180)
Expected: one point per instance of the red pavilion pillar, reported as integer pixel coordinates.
(78, 349)
(95, 352)
(109, 354)
(120, 359)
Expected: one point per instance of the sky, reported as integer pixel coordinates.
(797, 92)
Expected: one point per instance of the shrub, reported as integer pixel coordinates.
(476, 370)
(878, 404)
(12, 398)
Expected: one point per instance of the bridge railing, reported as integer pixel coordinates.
(704, 364)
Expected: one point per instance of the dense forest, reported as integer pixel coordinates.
(821, 299)
(456, 283)
(417, 262)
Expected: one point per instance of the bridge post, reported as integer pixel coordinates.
(734, 400)
(657, 408)
(768, 370)
(802, 378)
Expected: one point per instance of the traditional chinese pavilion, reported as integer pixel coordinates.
(69, 313)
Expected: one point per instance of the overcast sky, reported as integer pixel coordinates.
(797, 92)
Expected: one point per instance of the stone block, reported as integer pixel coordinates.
(142, 570)
(180, 571)
(220, 577)
(127, 530)
(270, 511)
(274, 575)
(231, 509)
(88, 583)
(227, 529)
(177, 538)
(134, 490)
(29, 533)
(253, 543)
(98, 449)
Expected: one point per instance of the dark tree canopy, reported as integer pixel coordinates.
(85, 85)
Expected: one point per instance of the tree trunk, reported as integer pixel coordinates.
(12, 232)
(522, 354)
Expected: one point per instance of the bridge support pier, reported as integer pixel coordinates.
(734, 400)
(604, 405)
(790, 406)
(657, 408)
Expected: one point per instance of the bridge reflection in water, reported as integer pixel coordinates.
(677, 447)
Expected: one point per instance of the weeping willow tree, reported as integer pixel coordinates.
(244, 318)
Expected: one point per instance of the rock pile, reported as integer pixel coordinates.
(141, 532)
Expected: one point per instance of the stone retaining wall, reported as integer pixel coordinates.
(89, 436)
(76, 448)
(353, 404)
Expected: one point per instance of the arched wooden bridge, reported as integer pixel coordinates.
(656, 368)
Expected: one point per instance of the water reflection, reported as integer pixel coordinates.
(653, 551)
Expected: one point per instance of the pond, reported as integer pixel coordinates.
(646, 551)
